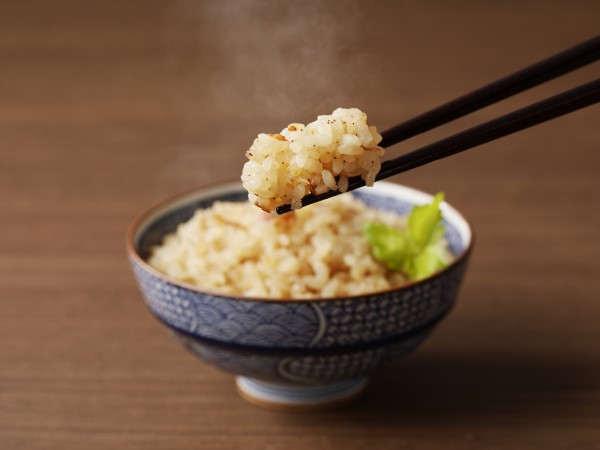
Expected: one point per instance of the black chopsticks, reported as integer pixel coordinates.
(561, 104)
(534, 75)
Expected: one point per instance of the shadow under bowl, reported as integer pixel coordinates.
(289, 353)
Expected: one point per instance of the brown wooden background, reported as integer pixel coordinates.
(107, 107)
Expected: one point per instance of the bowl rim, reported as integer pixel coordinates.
(172, 200)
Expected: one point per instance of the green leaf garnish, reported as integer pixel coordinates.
(417, 251)
(387, 244)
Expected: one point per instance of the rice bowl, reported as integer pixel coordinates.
(286, 346)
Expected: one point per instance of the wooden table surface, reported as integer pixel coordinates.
(108, 107)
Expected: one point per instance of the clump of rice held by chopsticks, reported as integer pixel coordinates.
(315, 158)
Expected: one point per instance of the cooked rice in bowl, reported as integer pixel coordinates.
(316, 252)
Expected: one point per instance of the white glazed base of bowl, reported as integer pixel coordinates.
(292, 397)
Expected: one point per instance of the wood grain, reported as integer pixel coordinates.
(108, 107)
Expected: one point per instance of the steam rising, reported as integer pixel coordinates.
(241, 67)
(284, 59)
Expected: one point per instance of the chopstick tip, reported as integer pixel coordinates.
(283, 209)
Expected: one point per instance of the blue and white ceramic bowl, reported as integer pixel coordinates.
(297, 353)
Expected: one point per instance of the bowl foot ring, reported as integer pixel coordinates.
(292, 397)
